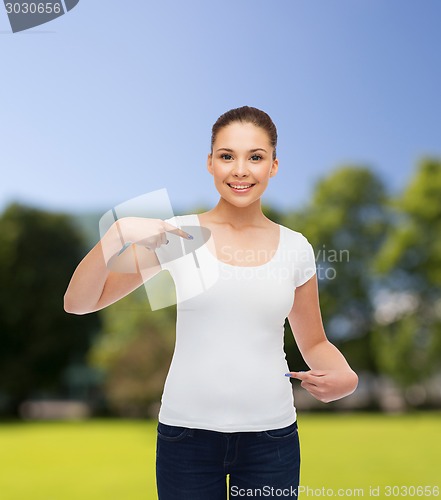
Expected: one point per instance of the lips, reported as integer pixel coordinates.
(240, 188)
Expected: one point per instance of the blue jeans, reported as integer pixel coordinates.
(192, 464)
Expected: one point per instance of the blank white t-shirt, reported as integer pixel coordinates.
(228, 368)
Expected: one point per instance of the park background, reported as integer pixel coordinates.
(112, 101)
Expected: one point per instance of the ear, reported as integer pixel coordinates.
(210, 163)
(274, 167)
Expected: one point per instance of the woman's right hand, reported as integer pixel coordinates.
(94, 285)
(149, 233)
(144, 235)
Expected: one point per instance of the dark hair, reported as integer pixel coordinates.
(246, 114)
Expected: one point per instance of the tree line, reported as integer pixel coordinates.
(378, 262)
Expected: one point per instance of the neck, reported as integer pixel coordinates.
(225, 212)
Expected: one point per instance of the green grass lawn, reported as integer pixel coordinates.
(115, 460)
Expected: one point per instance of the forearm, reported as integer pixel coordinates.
(110, 271)
(330, 376)
(325, 356)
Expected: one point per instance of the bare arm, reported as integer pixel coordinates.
(103, 277)
(330, 377)
(94, 286)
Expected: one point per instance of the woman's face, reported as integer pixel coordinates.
(242, 156)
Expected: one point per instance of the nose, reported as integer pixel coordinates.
(240, 169)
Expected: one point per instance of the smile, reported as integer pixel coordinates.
(240, 188)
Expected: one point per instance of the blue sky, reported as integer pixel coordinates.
(116, 99)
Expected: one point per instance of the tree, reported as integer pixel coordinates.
(38, 253)
(407, 337)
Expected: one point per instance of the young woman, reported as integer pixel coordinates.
(227, 406)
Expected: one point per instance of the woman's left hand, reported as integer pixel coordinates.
(327, 385)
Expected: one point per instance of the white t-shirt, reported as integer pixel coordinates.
(228, 368)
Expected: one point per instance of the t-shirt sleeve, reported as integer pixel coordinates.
(305, 266)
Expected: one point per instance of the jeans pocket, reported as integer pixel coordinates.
(171, 432)
(284, 432)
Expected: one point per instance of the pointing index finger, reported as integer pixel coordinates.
(175, 230)
(298, 375)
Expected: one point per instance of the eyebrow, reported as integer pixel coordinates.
(250, 151)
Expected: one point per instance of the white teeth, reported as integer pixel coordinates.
(240, 187)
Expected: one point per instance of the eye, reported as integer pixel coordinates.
(226, 156)
(256, 157)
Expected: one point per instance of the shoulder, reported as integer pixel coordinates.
(294, 238)
(297, 247)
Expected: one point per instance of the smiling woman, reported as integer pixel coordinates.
(238, 169)
(227, 409)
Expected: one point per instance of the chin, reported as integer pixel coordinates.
(240, 203)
